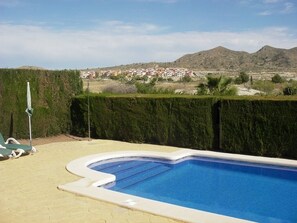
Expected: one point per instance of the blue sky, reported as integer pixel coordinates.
(74, 34)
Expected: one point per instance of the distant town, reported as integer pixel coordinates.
(173, 74)
(170, 74)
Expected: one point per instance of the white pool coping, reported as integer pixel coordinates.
(88, 185)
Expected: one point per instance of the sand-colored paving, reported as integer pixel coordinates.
(29, 193)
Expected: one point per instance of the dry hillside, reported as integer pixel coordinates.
(220, 58)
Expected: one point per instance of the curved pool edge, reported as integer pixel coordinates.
(88, 185)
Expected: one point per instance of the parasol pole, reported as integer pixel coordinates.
(29, 111)
(89, 121)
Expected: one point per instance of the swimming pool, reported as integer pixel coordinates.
(211, 187)
(250, 191)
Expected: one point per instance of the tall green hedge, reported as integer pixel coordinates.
(256, 126)
(185, 122)
(259, 127)
(51, 93)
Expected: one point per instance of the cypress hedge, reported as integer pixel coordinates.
(178, 121)
(255, 126)
(265, 127)
(51, 93)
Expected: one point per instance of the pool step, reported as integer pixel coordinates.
(118, 166)
(139, 176)
(131, 172)
(114, 167)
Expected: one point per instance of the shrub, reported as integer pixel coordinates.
(202, 89)
(231, 91)
(242, 78)
(217, 86)
(120, 89)
(265, 86)
(277, 79)
(144, 88)
(186, 79)
(290, 90)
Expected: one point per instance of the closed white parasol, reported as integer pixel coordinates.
(29, 110)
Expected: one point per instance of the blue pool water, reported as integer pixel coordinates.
(248, 191)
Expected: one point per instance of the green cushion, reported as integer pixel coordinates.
(5, 152)
(26, 148)
(12, 146)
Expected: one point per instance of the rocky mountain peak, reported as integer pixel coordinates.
(220, 58)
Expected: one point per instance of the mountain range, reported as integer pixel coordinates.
(222, 59)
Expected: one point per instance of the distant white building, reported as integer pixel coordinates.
(87, 74)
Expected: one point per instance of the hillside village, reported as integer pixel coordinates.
(172, 74)
(175, 74)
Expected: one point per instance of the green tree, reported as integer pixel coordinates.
(202, 89)
(251, 80)
(242, 78)
(146, 88)
(277, 79)
(217, 86)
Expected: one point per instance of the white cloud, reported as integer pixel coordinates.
(288, 7)
(271, 7)
(116, 26)
(104, 46)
